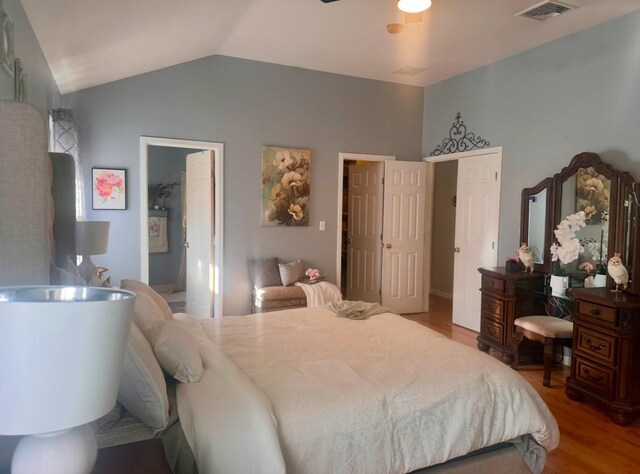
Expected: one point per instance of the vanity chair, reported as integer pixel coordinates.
(605, 360)
(547, 330)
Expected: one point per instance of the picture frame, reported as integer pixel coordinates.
(286, 186)
(7, 50)
(109, 189)
(20, 80)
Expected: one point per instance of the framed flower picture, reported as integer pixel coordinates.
(109, 188)
(285, 186)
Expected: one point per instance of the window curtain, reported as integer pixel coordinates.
(64, 139)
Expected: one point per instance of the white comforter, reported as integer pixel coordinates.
(336, 395)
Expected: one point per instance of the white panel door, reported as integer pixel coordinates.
(199, 243)
(364, 234)
(405, 186)
(476, 237)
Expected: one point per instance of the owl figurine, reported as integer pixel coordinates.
(526, 257)
(618, 272)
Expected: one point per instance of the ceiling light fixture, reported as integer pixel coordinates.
(413, 6)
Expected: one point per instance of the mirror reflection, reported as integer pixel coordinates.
(537, 225)
(589, 191)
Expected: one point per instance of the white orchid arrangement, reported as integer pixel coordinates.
(568, 247)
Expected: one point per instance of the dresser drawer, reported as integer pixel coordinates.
(492, 308)
(495, 284)
(491, 330)
(595, 376)
(596, 345)
(601, 314)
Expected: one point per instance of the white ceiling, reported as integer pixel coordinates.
(92, 42)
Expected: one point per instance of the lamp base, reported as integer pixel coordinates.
(71, 451)
(87, 269)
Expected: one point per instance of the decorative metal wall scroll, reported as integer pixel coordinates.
(459, 139)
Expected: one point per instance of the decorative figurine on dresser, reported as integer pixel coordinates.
(605, 362)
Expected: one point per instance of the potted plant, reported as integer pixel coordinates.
(565, 250)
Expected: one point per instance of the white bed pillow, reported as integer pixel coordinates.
(139, 287)
(143, 391)
(176, 351)
(146, 313)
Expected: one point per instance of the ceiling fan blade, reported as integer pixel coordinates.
(328, 1)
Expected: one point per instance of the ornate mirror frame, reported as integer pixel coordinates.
(527, 193)
(623, 228)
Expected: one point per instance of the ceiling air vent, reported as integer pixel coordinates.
(546, 10)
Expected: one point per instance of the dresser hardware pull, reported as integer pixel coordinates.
(593, 378)
(588, 343)
(595, 312)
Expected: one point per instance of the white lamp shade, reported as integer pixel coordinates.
(61, 353)
(92, 237)
(414, 6)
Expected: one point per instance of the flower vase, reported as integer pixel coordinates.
(599, 280)
(559, 285)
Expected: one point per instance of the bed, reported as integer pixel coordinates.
(310, 392)
(298, 390)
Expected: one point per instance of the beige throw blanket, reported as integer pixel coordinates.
(357, 309)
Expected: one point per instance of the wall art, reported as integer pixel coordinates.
(109, 188)
(285, 186)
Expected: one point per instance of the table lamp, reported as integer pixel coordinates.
(92, 238)
(61, 354)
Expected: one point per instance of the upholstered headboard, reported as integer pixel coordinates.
(37, 198)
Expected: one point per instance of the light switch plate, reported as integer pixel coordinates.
(322, 225)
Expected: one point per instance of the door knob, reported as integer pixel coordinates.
(186, 245)
(348, 241)
(388, 246)
(456, 249)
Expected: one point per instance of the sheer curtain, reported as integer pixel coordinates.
(64, 139)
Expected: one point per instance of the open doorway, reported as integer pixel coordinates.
(443, 236)
(347, 161)
(477, 218)
(181, 230)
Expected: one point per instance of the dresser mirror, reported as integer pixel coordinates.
(608, 198)
(535, 221)
(589, 190)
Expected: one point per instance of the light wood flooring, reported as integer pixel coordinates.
(589, 441)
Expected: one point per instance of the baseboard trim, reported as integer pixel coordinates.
(442, 294)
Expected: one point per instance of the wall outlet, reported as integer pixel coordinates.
(322, 225)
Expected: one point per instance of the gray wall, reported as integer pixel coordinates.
(444, 228)
(42, 90)
(580, 93)
(166, 164)
(245, 104)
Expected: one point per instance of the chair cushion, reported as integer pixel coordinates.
(269, 293)
(264, 272)
(546, 326)
(291, 272)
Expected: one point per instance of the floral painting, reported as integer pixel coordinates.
(285, 186)
(593, 193)
(109, 188)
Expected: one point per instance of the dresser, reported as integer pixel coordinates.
(507, 295)
(605, 365)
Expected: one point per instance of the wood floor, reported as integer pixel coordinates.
(589, 441)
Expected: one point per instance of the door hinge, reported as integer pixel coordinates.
(493, 245)
(383, 180)
(380, 291)
(496, 176)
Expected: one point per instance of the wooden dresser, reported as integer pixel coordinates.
(606, 351)
(505, 298)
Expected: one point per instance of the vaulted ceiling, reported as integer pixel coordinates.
(92, 42)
